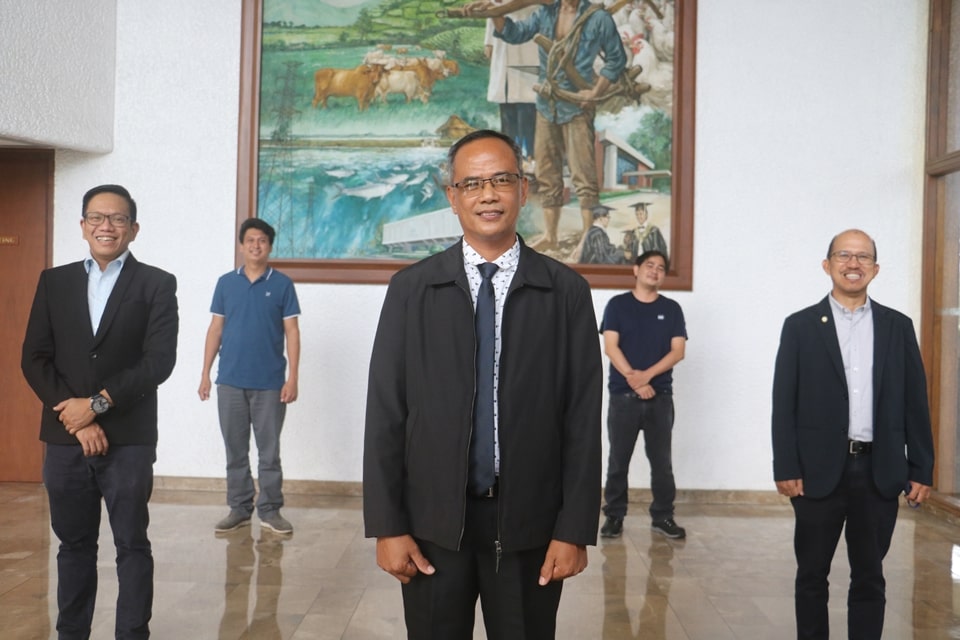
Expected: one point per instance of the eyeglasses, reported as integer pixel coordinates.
(845, 256)
(116, 219)
(500, 182)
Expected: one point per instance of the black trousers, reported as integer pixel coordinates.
(870, 519)
(514, 605)
(75, 484)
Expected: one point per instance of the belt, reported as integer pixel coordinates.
(858, 448)
(632, 394)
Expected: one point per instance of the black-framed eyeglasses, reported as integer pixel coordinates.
(116, 219)
(499, 181)
(845, 256)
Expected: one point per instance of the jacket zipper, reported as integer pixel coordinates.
(496, 543)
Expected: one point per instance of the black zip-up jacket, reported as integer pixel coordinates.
(420, 399)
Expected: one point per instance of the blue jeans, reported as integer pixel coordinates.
(627, 416)
(239, 410)
(75, 485)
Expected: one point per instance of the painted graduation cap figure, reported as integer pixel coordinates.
(646, 237)
(601, 210)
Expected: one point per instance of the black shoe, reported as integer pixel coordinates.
(669, 528)
(612, 528)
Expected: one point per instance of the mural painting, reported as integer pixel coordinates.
(359, 101)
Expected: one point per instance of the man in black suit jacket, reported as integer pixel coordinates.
(102, 336)
(851, 430)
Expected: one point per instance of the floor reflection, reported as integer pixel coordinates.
(731, 579)
(642, 614)
(253, 576)
(653, 614)
(616, 614)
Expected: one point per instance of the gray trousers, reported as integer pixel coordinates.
(239, 410)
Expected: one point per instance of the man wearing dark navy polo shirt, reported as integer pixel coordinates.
(255, 309)
(645, 336)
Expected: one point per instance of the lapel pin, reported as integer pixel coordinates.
(823, 319)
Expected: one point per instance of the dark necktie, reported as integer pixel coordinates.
(482, 475)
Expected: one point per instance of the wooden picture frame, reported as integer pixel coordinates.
(378, 271)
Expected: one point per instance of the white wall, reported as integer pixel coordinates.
(56, 73)
(809, 120)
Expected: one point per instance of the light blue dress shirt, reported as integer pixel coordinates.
(100, 285)
(855, 334)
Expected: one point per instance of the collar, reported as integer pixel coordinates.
(532, 268)
(264, 276)
(866, 307)
(119, 260)
(508, 259)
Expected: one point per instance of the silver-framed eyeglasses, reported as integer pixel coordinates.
(845, 256)
(499, 181)
(116, 219)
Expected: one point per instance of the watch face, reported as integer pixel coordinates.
(99, 404)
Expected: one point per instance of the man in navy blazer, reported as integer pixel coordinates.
(851, 431)
(102, 336)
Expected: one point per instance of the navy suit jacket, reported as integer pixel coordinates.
(811, 409)
(133, 351)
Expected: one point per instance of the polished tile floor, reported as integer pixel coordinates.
(731, 578)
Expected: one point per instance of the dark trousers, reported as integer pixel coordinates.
(870, 519)
(514, 605)
(627, 416)
(75, 484)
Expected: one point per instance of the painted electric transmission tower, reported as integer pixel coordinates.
(281, 201)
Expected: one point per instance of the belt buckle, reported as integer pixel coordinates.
(858, 448)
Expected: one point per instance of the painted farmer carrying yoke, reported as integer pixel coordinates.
(573, 36)
(561, 53)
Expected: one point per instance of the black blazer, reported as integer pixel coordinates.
(811, 410)
(133, 351)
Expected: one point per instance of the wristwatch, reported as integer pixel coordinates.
(99, 404)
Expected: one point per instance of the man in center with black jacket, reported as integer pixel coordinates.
(482, 453)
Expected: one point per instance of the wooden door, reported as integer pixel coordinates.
(26, 210)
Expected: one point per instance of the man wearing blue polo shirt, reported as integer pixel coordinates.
(255, 309)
